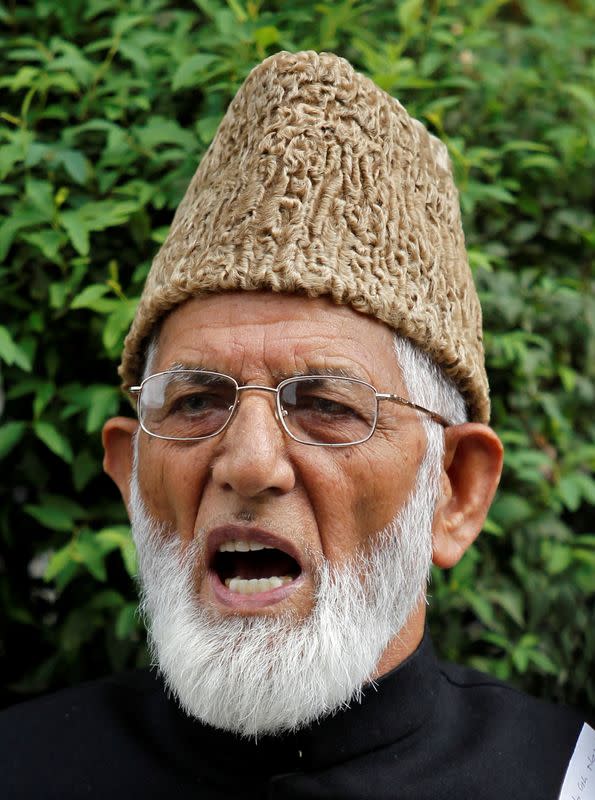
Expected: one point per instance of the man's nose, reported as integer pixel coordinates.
(252, 458)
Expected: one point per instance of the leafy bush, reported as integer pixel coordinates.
(106, 110)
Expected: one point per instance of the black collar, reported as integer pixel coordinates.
(394, 708)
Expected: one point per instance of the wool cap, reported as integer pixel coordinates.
(319, 183)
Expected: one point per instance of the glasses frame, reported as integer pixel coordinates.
(280, 413)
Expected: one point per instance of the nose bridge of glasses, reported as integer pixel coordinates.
(257, 388)
(253, 387)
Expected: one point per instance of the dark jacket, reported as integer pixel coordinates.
(427, 732)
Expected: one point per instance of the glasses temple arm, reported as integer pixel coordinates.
(394, 398)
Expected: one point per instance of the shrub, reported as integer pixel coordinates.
(106, 109)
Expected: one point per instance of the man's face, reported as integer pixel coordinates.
(253, 482)
(358, 525)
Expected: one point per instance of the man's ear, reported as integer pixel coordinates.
(470, 475)
(118, 444)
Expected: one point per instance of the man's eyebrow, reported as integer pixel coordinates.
(332, 372)
(180, 366)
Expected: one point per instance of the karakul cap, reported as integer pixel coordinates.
(318, 182)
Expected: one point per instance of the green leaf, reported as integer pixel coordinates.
(127, 621)
(76, 165)
(542, 162)
(56, 512)
(48, 242)
(570, 492)
(89, 296)
(492, 527)
(119, 536)
(512, 603)
(544, 662)
(266, 36)
(587, 487)
(486, 193)
(128, 551)
(568, 377)
(206, 128)
(51, 517)
(104, 401)
(159, 131)
(25, 387)
(520, 659)
(43, 395)
(558, 557)
(61, 562)
(106, 600)
(91, 554)
(69, 571)
(61, 80)
(118, 323)
(63, 502)
(481, 606)
(525, 145)
(84, 467)
(510, 510)
(54, 440)
(584, 96)
(11, 353)
(94, 216)
(11, 434)
(72, 60)
(23, 79)
(37, 153)
(76, 630)
(58, 294)
(78, 232)
(41, 197)
(126, 22)
(113, 537)
(190, 71)
(409, 12)
(10, 155)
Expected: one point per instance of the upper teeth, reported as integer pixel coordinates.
(241, 546)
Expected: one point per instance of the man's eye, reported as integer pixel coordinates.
(323, 405)
(196, 403)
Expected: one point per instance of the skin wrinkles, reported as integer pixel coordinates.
(333, 371)
(273, 341)
(326, 501)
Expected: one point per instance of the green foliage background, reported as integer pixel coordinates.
(106, 108)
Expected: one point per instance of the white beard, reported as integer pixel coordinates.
(262, 675)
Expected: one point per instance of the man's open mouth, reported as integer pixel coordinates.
(252, 567)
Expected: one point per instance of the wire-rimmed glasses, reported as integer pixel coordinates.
(326, 410)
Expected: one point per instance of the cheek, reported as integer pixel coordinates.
(394, 477)
(172, 479)
(362, 494)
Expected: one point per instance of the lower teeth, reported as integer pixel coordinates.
(256, 585)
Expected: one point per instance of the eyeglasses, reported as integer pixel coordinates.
(190, 405)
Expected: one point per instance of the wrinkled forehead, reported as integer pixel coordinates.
(250, 334)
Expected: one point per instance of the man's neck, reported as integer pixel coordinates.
(404, 643)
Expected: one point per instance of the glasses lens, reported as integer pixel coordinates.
(321, 410)
(186, 404)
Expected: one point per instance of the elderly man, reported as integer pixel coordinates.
(307, 366)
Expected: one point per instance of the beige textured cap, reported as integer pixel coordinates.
(318, 182)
